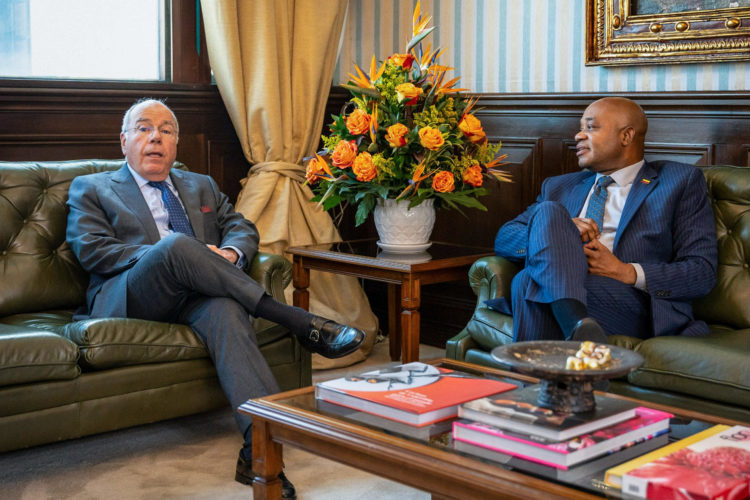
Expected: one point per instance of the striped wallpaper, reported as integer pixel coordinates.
(518, 46)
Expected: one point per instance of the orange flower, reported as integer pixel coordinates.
(443, 182)
(408, 91)
(403, 60)
(363, 167)
(344, 154)
(395, 135)
(431, 138)
(473, 176)
(358, 122)
(472, 128)
(316, 168)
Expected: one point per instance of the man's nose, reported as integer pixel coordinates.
(581, 135)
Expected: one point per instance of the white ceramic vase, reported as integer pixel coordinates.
(402, 229)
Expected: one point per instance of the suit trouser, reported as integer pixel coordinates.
(556, 268)
(180, 280)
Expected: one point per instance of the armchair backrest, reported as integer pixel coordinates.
(729, 301)
(38, 270)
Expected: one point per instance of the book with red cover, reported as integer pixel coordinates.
(415, 393)
(564, 454)
(518, 411)
(714, 468)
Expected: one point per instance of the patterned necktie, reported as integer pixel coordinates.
(595, 210)
(177, 217)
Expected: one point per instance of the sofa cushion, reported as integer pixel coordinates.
(489, 328)
(111, 342)
(713, 367)
(31, 355)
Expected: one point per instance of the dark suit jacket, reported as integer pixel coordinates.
(110, 227)
(667, 226)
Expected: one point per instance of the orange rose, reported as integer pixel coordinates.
(443, 182)
(472, 128)
(408, 91)
(344, 154)
(314, 170)
(403, 60)
(431, 138)
(363, 167)
(395, 135)
(358, 122)
(473, 176)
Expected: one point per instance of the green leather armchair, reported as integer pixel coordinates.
(709, 374)
(61, 379)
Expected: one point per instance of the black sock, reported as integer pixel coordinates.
(568, 312)
(294, 318)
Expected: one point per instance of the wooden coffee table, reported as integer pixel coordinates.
(405, 275)
(291, 418)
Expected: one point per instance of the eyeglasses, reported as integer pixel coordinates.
(146, 131)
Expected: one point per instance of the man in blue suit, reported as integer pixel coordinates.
(167, 245)
(622, 247)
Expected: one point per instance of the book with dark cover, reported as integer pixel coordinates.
(518, 411)
(414, 393)
(578, 471)
(564, 454)
(714, 468)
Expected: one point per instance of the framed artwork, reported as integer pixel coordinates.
(620, 32)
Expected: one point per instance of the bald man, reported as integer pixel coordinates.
(622, 247)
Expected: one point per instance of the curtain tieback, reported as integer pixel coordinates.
(291, 170)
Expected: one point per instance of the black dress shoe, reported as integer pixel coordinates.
(589, 329)
(330, 339)
(245, 475)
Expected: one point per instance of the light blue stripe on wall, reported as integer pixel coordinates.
(552, 62)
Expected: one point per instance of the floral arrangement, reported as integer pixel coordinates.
(406, 133)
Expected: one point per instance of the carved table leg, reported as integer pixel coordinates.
(267, 463)
(301, 281)
(394, 322)
(410, 301)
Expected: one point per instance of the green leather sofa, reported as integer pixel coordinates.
(61, 379)
(709, 374)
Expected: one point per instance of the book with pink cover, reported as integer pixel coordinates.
(714, 468)
(415, 393)
(563, 454)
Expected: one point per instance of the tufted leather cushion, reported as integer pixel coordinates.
(727, 304)
(37, 268)
(31, 355)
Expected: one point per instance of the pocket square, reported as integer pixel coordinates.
(205, 209)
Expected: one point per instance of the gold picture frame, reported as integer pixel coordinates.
(618, 35)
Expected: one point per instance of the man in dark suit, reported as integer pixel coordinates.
(167, 245)
(622, 247)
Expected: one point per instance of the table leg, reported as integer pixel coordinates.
(410, 301)
(394, 322)
(267, 462)
(300, 281)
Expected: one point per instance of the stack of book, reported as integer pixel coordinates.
(415, 399)
(512, 429)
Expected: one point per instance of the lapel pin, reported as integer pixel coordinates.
(645, 181)
(205, 209)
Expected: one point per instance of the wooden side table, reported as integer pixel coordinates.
(405, 275)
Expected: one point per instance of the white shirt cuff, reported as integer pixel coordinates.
(640, 277)
(241, 256)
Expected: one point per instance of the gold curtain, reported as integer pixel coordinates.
(273, 62)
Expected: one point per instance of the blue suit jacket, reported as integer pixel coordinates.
(110, 227)
(667, 226)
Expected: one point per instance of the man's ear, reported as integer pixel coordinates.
(627, 136)
(122, 142)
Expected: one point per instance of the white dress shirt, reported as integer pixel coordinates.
(617, 194)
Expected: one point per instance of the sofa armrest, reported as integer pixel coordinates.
(490, 277)
(272, 271)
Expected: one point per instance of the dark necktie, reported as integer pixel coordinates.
(177, 217)
(595, 210)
